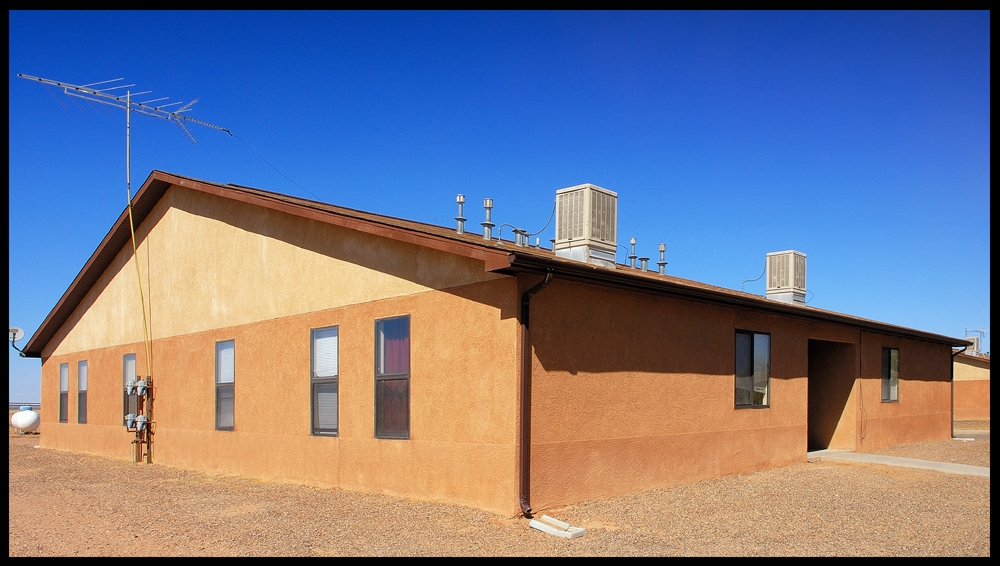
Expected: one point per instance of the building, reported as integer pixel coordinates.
(972, 385)
(297, 341)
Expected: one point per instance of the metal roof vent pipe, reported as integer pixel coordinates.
(488, 224)
(663, 262)
(460, 199)
(642, 263)
(520, 237)
(632, 256)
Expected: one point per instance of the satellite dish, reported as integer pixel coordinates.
(16, 334)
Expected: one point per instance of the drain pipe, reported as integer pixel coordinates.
(953, 389)
(524, 484)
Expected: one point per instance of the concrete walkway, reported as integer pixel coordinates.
(947, 467)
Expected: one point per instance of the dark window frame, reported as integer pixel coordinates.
(81, 393)
(382, 380)
(63, 394)
(220, 387)
(752, 334)
(320, 381)
(887, 393)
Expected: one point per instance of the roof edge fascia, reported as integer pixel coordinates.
(586, 273)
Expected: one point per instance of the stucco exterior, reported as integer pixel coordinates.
(288, 276)
(633, 392)
(630, 376)
(972, 387)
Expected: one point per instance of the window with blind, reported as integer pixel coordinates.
(225, 385)
(753, 369)
(81, 392)
(63, 393)
(130, 403)
(323, 381)
(392, 378)
(890, 375)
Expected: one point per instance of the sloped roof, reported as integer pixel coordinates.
(498, 256)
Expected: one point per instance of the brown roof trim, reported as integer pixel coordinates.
(984, 358)
(498, 256)
(634, 279)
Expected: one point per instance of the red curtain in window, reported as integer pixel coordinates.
(396, 336)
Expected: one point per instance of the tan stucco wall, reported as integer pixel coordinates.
(968, 368)
(291, 276)
(204, 251)
(972, 388)
(632, 392)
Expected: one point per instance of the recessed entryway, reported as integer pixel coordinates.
(832, 418)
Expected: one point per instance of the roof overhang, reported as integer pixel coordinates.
(635, 280)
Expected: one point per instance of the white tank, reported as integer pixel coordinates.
(25, 420)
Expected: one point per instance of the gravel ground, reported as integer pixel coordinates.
(66, 504)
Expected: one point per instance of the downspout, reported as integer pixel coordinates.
(953, 389)
(525, 424)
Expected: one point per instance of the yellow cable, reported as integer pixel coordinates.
(138, 276)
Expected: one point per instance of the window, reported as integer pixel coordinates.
(225, 382)
(81, 392)
(63, 393)
(130, 403)
(753, 369)
(890, 375)
(392, 378)
(324, 381)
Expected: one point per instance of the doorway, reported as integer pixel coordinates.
(832, 417)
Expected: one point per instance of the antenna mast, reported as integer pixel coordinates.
(141, 389)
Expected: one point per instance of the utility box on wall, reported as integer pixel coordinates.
(786, 276)
(586, 224)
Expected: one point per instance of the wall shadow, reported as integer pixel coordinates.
(593, 329)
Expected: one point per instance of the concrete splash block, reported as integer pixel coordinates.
(556, 527)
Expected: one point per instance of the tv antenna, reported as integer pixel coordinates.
(109, 93)
(106, 97)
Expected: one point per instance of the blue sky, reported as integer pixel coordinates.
(859, 138)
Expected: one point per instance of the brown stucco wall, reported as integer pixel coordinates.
(923, 411)
(972, 388)
(463, 395)
(632, 391)
(222, 271)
